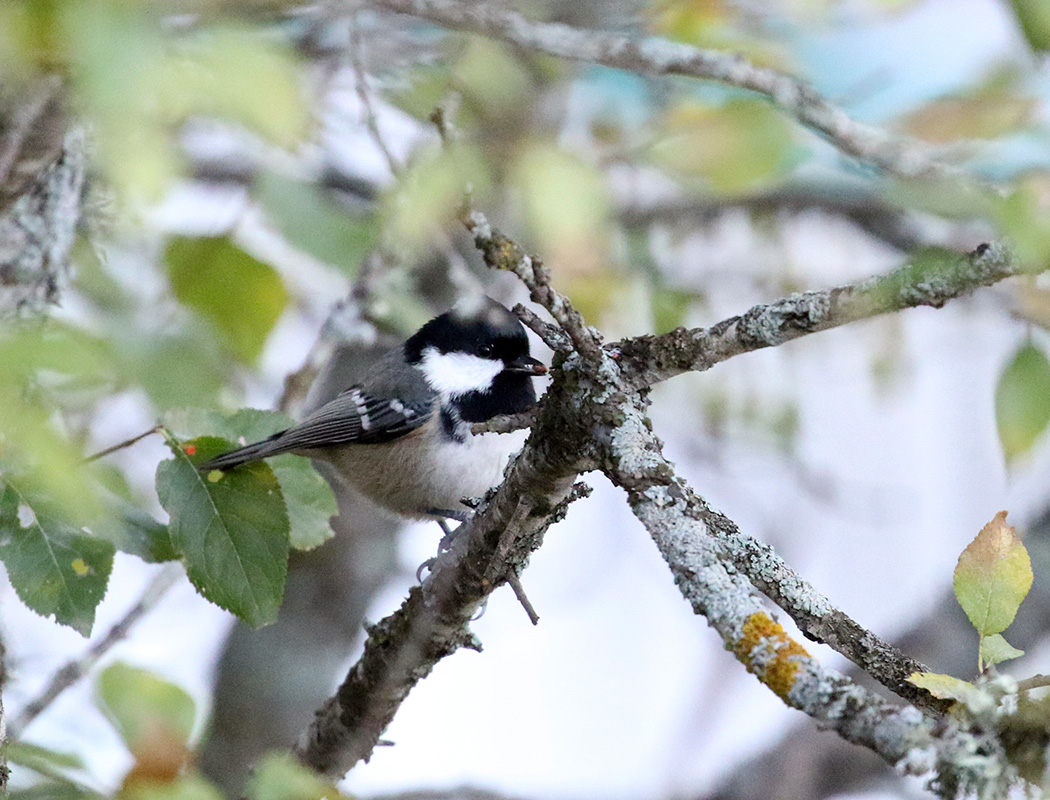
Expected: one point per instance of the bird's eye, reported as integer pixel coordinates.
(485, 350)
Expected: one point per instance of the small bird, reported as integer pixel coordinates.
(402, 436)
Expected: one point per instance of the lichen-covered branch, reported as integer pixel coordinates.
(594, 416)
(635, 462)
(433, 621)
(811, 611)
(932, 280)
(655, 56)
(679, 522)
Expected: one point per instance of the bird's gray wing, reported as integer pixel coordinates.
(354, 416)
(357, 417)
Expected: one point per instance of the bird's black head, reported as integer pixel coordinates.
(477, 326)
(477, 353)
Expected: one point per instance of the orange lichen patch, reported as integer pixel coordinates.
(779, 664)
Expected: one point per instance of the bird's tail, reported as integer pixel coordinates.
(243, 455)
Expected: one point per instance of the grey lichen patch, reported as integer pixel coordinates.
(768, 326)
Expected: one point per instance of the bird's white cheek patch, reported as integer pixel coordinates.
(458, 373)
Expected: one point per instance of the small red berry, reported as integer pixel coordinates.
(191, 449)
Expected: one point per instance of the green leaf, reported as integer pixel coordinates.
(135, 531)
(44, 761)
(56, 567)
(309, 498)
(670, 307)
(995, 650)
(1022, 401)
(1034, 19)
(230, 529)
(307, 495)
(279, 776)
(1022, 217)
(189, 786)
(313, 223)
(242, 296)
(145, 709)
(239, 75)
(945, 687)
(737, 147)
(993, 576)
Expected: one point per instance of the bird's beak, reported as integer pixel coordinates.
(526, 365)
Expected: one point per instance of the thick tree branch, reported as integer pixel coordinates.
(764, 569)
(433, 621)
(932, 280)
(655, 56)
(594, 415)
(680, 524)
(814, 614)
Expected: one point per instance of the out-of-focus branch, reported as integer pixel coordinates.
(74, 670)
(903, 229)
(929, 281)
(656, 56)
(33, 127)
(37, 232)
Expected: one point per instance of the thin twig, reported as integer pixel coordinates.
(361, 87)
(519, 592)
(122, 445)
(1034, 682)
(505, 423)
(500, 252)
(927, 282)
(551, 335)
(74, 670)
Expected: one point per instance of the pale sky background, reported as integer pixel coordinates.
(621, 692)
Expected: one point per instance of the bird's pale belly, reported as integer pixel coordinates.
(397, 476)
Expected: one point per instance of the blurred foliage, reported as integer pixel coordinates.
(279, 776)
(150, 715)
(998, 106)
(1034, 19)
(741, 146)
(1022, 401)
(713, 24)
(312, 223)
(1024, 216)
(137, 79)
(240, 295)
(168, 320)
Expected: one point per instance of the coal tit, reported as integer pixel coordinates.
(402, 436)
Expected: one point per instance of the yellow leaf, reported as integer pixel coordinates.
(993, 576)
(944, 687)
